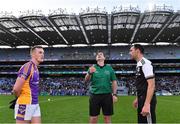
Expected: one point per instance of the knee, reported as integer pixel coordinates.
(107, 119)
(93, 119)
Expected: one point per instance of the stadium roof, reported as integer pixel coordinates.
(91, 26)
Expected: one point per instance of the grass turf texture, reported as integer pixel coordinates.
(74, 109)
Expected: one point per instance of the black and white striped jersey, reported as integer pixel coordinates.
(144, 71)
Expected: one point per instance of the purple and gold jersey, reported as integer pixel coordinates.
(30, 89)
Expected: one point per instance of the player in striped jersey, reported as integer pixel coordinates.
(26, 88)
(145, 101)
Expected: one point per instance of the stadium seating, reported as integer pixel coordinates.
(88, 53)
(75, 86)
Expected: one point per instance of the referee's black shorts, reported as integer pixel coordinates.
(152, 117)
(98, 101)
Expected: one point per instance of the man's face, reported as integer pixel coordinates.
(38, 54)
(100, 57)
(133, 53)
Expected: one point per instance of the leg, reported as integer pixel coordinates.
(107, 119)
(94, 108)
(150, 118)
(36, 120)
(141, 119)
(93, 119)
(22, 122)
(107, 108)
(20, 113)
(153, 113)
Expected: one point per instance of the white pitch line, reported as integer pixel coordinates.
(167, 100)
(51, 100)
(44, 101)
(3, 106)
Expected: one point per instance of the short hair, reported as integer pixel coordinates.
(100, 51)
(139, 47)
(34, 47)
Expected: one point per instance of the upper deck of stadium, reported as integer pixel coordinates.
(91, 26)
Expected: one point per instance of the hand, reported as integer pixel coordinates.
(12, 103)
(135, 103)
(115, 99)
(92, 69)
(145, 110)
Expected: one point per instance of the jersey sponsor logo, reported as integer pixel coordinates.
(96, 72)
(142, 61)
(35, 82)
(107, 72)
(138, 71)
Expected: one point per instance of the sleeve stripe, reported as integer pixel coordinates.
(150, 77)
(26, 68)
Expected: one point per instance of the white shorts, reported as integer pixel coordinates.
(26, 112)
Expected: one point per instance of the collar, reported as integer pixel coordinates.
(140, 62)
(101, 66)
(34, 65)
(32, 62)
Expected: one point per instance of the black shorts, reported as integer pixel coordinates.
(98, 101)
(152, 117)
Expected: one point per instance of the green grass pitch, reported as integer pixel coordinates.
(74, 109)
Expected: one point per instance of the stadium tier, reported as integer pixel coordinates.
(63, 71)
(91, 27)
(88, 53)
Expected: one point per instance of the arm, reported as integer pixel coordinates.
(149, 75)
(135, 103)
(23, 74)
(18, 86)
(88, 76)
(114, 86)
(16, 91)
(150, 91)
(114, 89)
(114, 81)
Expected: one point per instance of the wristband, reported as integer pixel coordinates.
(90, 73)
(114, 94)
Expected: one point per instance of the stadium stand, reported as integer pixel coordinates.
(88, 53)
(75, 86)
(64, 68)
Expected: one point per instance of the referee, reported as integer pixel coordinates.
(145, 101)
(102, 89)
